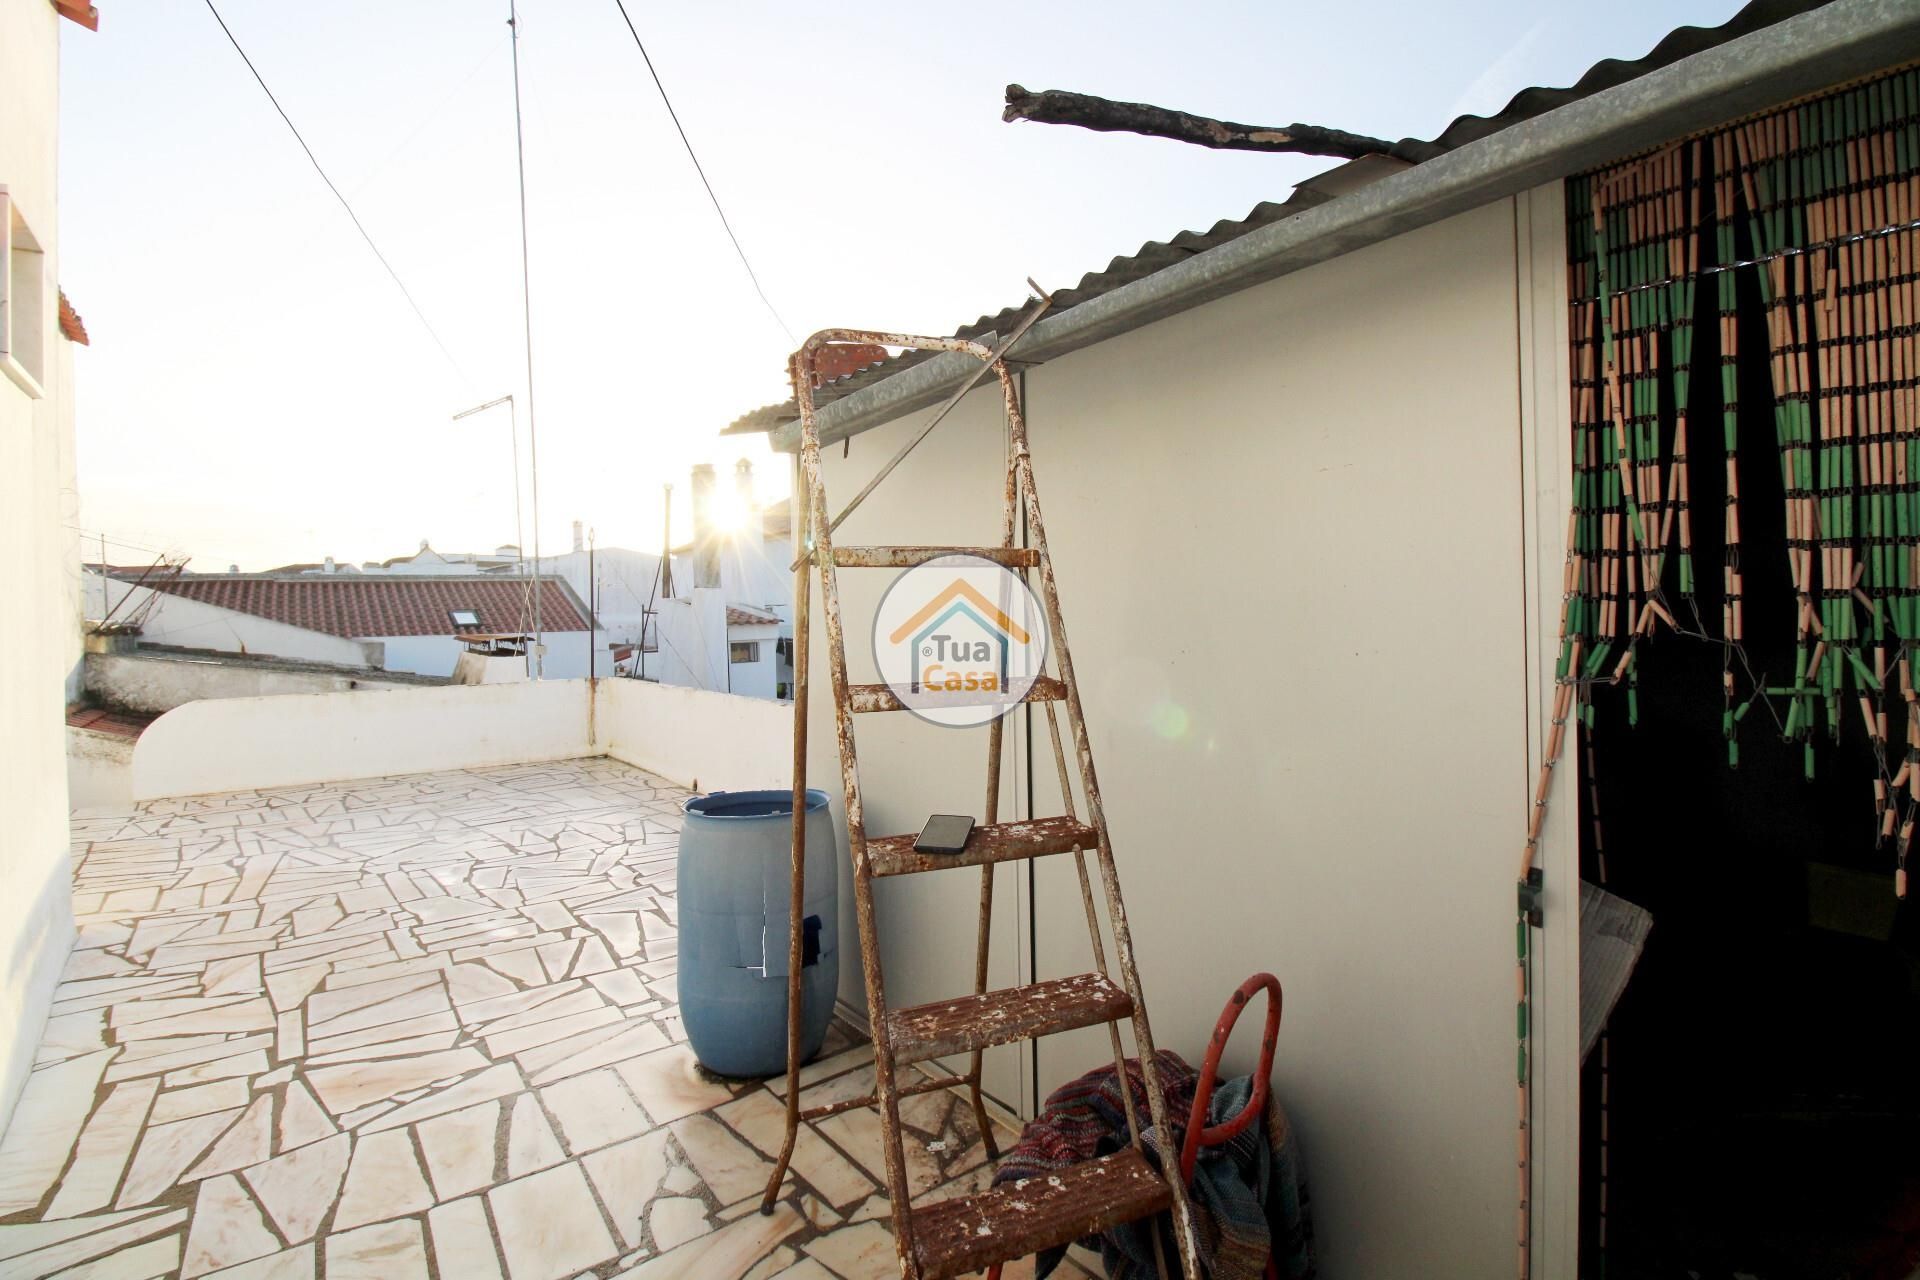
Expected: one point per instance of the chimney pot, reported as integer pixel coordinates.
(743, 484)
(706, 542)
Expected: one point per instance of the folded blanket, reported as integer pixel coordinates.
(1249, 1194)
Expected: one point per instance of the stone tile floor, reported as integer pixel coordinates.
(414, 1027)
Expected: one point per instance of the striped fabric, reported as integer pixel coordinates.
(1249, 1194)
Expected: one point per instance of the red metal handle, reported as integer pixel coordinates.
(1197, 1136)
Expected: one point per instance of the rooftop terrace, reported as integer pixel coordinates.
(421, 1026)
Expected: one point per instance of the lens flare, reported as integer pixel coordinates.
(1170, 720)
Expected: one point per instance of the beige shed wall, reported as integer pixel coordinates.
(1303, 536)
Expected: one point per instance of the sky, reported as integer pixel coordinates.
(260, 392)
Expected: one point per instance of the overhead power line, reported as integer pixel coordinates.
(699, 169)
(358, 225)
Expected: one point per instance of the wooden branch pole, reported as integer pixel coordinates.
(1058, 106)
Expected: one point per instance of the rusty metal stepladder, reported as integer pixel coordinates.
(965, 1234)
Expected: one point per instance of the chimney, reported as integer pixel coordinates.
(331, 567)
(579, 537)
(743, 484)
(706, 542)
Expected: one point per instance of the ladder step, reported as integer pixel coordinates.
(1001, 842)
(907, 557)
(878, 697)
(966, 1023)
(970, 1233)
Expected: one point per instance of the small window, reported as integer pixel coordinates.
(745, 651)
(465, 617)
(23, 301)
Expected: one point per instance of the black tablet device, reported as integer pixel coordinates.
(944, 833)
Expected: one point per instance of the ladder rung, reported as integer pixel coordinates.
(971, 1233)
(907, 557)
(1001, 842)
(933, 1085)
(966, 1023)
(878, 697)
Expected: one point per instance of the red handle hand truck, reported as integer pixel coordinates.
(1199, 1133)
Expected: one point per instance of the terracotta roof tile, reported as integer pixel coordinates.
(122, 724)
(71, 325)
(362, 607)
(79, 11)
(739, 617)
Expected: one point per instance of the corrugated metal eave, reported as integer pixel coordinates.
(1792, 58)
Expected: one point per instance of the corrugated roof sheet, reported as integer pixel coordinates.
(1155, 255)
(366, 607)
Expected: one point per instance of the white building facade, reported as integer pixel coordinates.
(38, 512)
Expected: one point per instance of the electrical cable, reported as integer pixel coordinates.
(358, 225)
(701, 170)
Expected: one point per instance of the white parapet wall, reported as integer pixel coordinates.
(709, 741)
(701, 740)
(238, 744)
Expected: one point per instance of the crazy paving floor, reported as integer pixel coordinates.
(420, 1027)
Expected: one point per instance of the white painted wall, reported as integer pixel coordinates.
(193, 624)
(708, 741)
(754, 679)
(704, 741)
(692, 637)
(1333, 459)
(99, 772)
(693, 652)
(36, 508)
(155, 683)
(622, 580)
(753, 571)
(566, 657)
(237, 744)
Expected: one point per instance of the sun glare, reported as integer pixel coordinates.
(730, 513)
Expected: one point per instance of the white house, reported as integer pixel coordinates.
(38, 512)
(399, 623)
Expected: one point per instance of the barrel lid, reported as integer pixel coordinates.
(750, 804)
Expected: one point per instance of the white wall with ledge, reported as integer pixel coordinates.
(240, 744)
(156, 683)
(706, 741)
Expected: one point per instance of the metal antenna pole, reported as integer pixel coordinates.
(526, 313)
(519, 536)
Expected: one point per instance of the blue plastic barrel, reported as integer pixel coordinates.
(735, 897)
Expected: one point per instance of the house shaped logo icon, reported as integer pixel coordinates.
(959, 640)
(926, 634)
